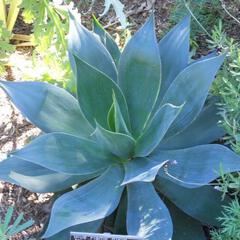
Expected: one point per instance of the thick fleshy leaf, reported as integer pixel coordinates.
(45, 104)
(121, 125)
(156, 129)
(118, 144)
(197, 166)
(141, 170)
(91, 227)
(147, 215)
(107, 40)
(110, 118)
(184, 227)
(140, 75)
(174, 52)
(79, 40)
(66, 153)
(185, 89)
(95, 91)
(204, 203)
(36, 178)
(93, 201)
(205, 129)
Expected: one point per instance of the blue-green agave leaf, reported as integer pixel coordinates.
(111, 118)
(204, 203)
(91, 201)
(191, 87)
(141, 170)
(91, 227)
(107, 40)
(121, 125)
(79, 40)
(184, 227)
(36, 178)
(147, 215)
(140, 75)
(205, 129)
(196, 166)
(45, 104)
(94, 90)
(118, 144)
(174, 51)
(66, 153)
(155, 129)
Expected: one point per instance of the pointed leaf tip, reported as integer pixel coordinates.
(64, 214)
(139, 62)
(97, 56)
(141, 170)
(94, 90)
(119, 144)
(187, 20)
(39, 102)
(156, 129)
(174, 52)
(183, 89)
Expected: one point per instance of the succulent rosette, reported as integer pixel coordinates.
(135, 141)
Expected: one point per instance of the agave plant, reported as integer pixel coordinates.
(134, 145)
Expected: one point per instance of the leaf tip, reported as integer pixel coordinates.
(151, 20)
(187, 20)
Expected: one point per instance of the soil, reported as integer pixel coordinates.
(15, 131)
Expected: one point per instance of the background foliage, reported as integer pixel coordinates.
(50, 27)
(5, 47)
(9, 228)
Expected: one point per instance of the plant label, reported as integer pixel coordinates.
(104, 236)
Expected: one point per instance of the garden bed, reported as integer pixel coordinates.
(15, 131)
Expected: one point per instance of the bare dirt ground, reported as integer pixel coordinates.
(15, 131)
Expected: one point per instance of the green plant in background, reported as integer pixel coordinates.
(230, 223)
(227, 85)
(135, 143)
(205, 13)
(8, 230)
(9, 19)
(230, 184)
(7, 22)
(50, 27)
(5, 47)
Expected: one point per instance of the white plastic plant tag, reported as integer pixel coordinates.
(104, 236)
